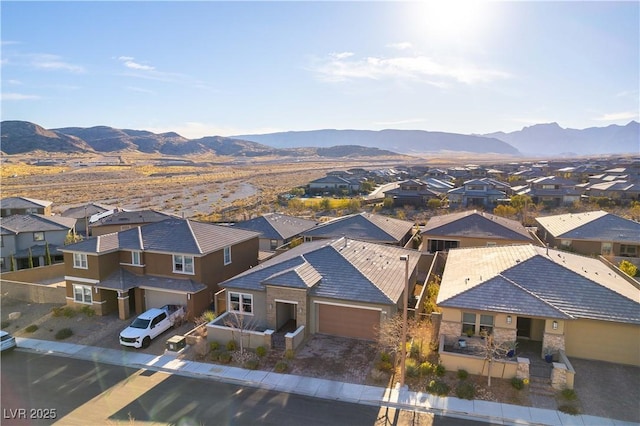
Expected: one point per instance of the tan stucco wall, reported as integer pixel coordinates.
(604, 341)
(478, 366)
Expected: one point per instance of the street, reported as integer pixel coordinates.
(39, 389)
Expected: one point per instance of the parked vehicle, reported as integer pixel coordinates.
(150, 325)
(7, 341)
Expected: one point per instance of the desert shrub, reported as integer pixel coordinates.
(289, 354)
(261, 351)
(384, 356)
(569, 394)
(206, 317)
(412, 369)
(517, 383)
(385, 366)
(224, 357)
(281, 366)
(251, 364)
(378, 375)
(231, 345)
(462, 374)
(63, 333)
(569, 409)
(69, 312)
(88, 311)
(414, 350)
(466, 390)
(31, 328)
(215, 355)
(213, 346)
(628, 268)
(440, 370)
(57, 311)
(426, 368)
(438, 387)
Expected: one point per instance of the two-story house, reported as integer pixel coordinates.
(484, 193)
(32, 239)
(552, 191)
(23, 205)
(121, 220)
(176, 261)
(83, 214)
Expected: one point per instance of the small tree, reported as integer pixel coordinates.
(243, 324)
(492, 351)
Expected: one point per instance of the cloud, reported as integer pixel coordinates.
(18, 97)
(341, 55)
(129, 62)
(439, 73)
(400, 46)
(53, 62)
(618, 116)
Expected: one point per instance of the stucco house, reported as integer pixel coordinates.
(334, 185)
(175, 261)
(364, 226)
(23, 205)
(591, 233)
(472, 229)
(120, 220)
(483, 192)
(341, 287)
(25, 236)
(566, 301)
(83, 214)
(412, 192)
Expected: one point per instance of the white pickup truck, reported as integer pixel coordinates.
(151, 324)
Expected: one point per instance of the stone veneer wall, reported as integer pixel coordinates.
(501, 335)
(450, 329)
(522, 372)
(553, 341)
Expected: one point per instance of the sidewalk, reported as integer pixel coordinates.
(496, 413)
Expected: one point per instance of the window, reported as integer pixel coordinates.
(182, 264)
(606, 249)
(471, 327)
(38, 236)
(627, 250)
(227, 255)
(136, 258)
(80, 260)
(31, 210)
(241, 303)
(486, 324)
(273, 244)
(468, 323)
(82, 293)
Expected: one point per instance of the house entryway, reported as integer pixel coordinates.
(277, 338)
(540, 391)
(286, 322)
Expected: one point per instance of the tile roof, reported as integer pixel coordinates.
(592, 226)
(364, 226)
(87, 210)
(124, 217)
(475, 224)
(23, 203)
(531, 280)
(18, 223)
(277, 226)
(123, 280)
(342, 268)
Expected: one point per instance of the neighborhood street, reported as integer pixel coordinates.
(40, 389)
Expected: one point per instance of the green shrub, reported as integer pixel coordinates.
(426, 368)
(207, 316)
(517, 383)
(88, 311)
(414, 350)
(31, 328)
(440, 370)
(63, 333)
(215, 355)
(384, 356)
(569, 394)
(213, 346)
(281, 366)
(384, 366)
(569, 409)
(438, 387)
(462, 374)
(411, 368)
(231, 345)
(289, 354)
(57, 311)
(261, 351)
(251, 364)
(466, 390)
(69, 312)
(224, 357)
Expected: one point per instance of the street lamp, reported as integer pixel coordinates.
(405, 259)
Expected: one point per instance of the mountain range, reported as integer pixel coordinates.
(19, 137)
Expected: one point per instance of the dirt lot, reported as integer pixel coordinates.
(345, 360)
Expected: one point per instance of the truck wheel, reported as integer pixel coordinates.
(146, 342)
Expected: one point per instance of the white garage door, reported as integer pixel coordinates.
(157, 299)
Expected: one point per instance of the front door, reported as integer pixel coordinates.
(524, 327)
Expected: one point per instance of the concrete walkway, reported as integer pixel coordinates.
(496, 413)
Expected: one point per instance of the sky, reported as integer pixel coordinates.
(208, 68)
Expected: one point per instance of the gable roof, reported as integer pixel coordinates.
(87, 210)
(592, 226)
(18, 223)
(364, 226)
(124, 280)
(531, 280)
(169, 236)
(125, 217)
(342, 268)
(277, 226)
(475, 224)
(23, 203)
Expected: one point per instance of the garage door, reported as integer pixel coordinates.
(157, 299)
(348, 322)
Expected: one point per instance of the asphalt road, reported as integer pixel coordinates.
(38, 389)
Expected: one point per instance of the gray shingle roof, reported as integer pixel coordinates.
(592, 226)
(477, 225)
(532, 281)
(87, 210)
(277, 226)
(125, 217)
(23, 203)
(358, 271)
(364, 226)
(18, 223)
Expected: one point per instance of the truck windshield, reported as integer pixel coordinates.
(140, 323)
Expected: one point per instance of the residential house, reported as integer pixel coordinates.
(485, 193)
(334, 185)
(84, 213)
(472, 229)
(121, 220)
(32, 239)
(364, 226)
(621, 191)
(551, 191)
(563, 301)
(341, 287)
(591, 233)
(23, 205)
(413, 192)
(175, 261)
(276, 230)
